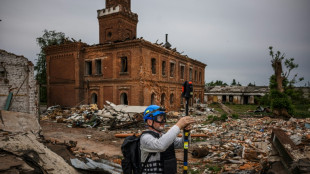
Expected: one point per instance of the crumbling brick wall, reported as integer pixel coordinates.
(17, 76)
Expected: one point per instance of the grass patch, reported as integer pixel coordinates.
(216, 107)
(213, 118)
(235, 116)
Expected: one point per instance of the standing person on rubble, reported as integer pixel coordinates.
(156, 147)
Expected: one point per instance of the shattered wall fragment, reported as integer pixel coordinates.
(17, 77)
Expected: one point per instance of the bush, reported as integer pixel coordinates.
(223, 117)
(281, 100)
(235, 116)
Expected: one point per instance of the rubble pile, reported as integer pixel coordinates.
(112, 116)
(90, 116)
(245, 144)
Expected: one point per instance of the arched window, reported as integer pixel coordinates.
(163, 98)
(124, 99)
(94, 98)
(153, 99)
(171, 99)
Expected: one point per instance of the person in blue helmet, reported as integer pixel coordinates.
(157, 148)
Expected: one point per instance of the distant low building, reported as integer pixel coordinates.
(234, 94)
(17, 78)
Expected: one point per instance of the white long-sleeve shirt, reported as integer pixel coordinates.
(148, 143)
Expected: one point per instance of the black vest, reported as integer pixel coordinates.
(167, 163)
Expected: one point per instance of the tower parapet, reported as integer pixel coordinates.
(117, 22)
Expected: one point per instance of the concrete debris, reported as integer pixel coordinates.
(17, 122)
(103, 166)
(24, 153)
(243, 144)
(110, 117)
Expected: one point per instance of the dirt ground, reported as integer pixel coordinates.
(91, 140)
(88, 139)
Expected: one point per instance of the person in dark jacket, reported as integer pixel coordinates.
(161, 145)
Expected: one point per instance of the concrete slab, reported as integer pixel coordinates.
(19, 122)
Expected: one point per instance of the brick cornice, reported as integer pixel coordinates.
(64, 48)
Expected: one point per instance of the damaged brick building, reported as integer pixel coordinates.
(121, 68)
(17, 84)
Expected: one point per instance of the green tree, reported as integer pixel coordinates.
(250, 84)
(280, 85)
(235, 83)
(216, 83)
(47, 39)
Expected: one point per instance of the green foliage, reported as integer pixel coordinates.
(214, 168)
(276, 98)
(281, 100)
(234, 83)
(250, 84)
(235, 116)
(216, 83)
(47, 39)
(223, 117)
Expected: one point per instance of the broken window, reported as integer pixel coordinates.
(88, 68)
(163, 68)
(195, 75)
(171, 69)
(124, 63)
(190, 74)
(153, 99)
(231, 98)
(182, 71)
(94, 98)
(224, 99)
(124, 99)
(98, 67)
(163, 98)
(153, 65)
(171, 99)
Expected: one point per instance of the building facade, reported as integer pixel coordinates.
(121, 68)
(17, 78)
(235, 94)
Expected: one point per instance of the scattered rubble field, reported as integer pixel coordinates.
(85, 138)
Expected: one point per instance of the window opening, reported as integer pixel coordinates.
(153, 99)
(124, 62)
(163, 66)
(153, 65)
(190, 74)
(163, 97)
(171, 99)
(124, 99)
(98, 67)
(171, 69)
(182, 71)
(88, 68)
(94, 98)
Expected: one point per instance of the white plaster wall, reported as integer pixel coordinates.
(20, 74)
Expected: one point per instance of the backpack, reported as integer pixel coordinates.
(131, 164)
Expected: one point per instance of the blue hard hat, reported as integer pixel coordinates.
(152, 111)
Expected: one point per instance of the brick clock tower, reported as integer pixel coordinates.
(117, 22)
